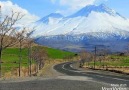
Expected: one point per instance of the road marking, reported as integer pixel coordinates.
(79, 78)
(71, 70)
(99, 75)
(71, 66)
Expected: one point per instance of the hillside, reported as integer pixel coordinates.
(10, 57)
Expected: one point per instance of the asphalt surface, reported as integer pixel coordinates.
(66, 68)
(52, 84)
(73, 79)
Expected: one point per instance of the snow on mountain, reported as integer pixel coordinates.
(89, 24)
(89, 19)
(51, 18)
(88, 9)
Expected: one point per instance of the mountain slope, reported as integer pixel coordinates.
(92, 25)
(90, 8)
(47, 18)
(101, 18)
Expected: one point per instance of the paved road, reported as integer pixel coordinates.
(68, 69)
(52, 84)
(72, 79)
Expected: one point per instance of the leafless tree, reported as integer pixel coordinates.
(101, 55)
(29, 46)
(8, 32)
(21, 39)
(39, 55)
(85, 57)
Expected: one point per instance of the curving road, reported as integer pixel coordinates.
(108, 78)
(72, 79)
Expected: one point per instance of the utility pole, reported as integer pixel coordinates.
(95, 57)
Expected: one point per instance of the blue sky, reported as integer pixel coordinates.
(45, 7)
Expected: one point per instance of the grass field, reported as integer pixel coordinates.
(10, 57)
(113, 60)
(113, 63)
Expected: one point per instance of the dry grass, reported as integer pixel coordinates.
(15, 73)
(124, 70)
(47, 70)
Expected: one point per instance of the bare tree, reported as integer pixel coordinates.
(101, 55)
(21, 38)
(39, 55)
(85, 57)
(8, 32)
(30, 41)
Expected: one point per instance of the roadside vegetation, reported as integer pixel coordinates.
(113, 60)
(103, 61)
(10, 57)
(19, 55)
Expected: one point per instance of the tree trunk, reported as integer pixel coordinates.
(30, 59)
(20, 58)
(37, 67)
(40, 65)
(30, 67)
(95, 58)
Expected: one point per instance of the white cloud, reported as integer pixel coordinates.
(74, 4)
(53, 1)
(8, 6)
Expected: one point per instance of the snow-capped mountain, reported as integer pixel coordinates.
(47, 18)
(88, 9)
(92, 25)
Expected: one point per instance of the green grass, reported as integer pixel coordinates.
(10, 57)
(58, 54)
(114, 60)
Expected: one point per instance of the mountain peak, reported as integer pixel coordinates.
(85, 11)
(102, 5)
(52, 15)
(55, 15)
